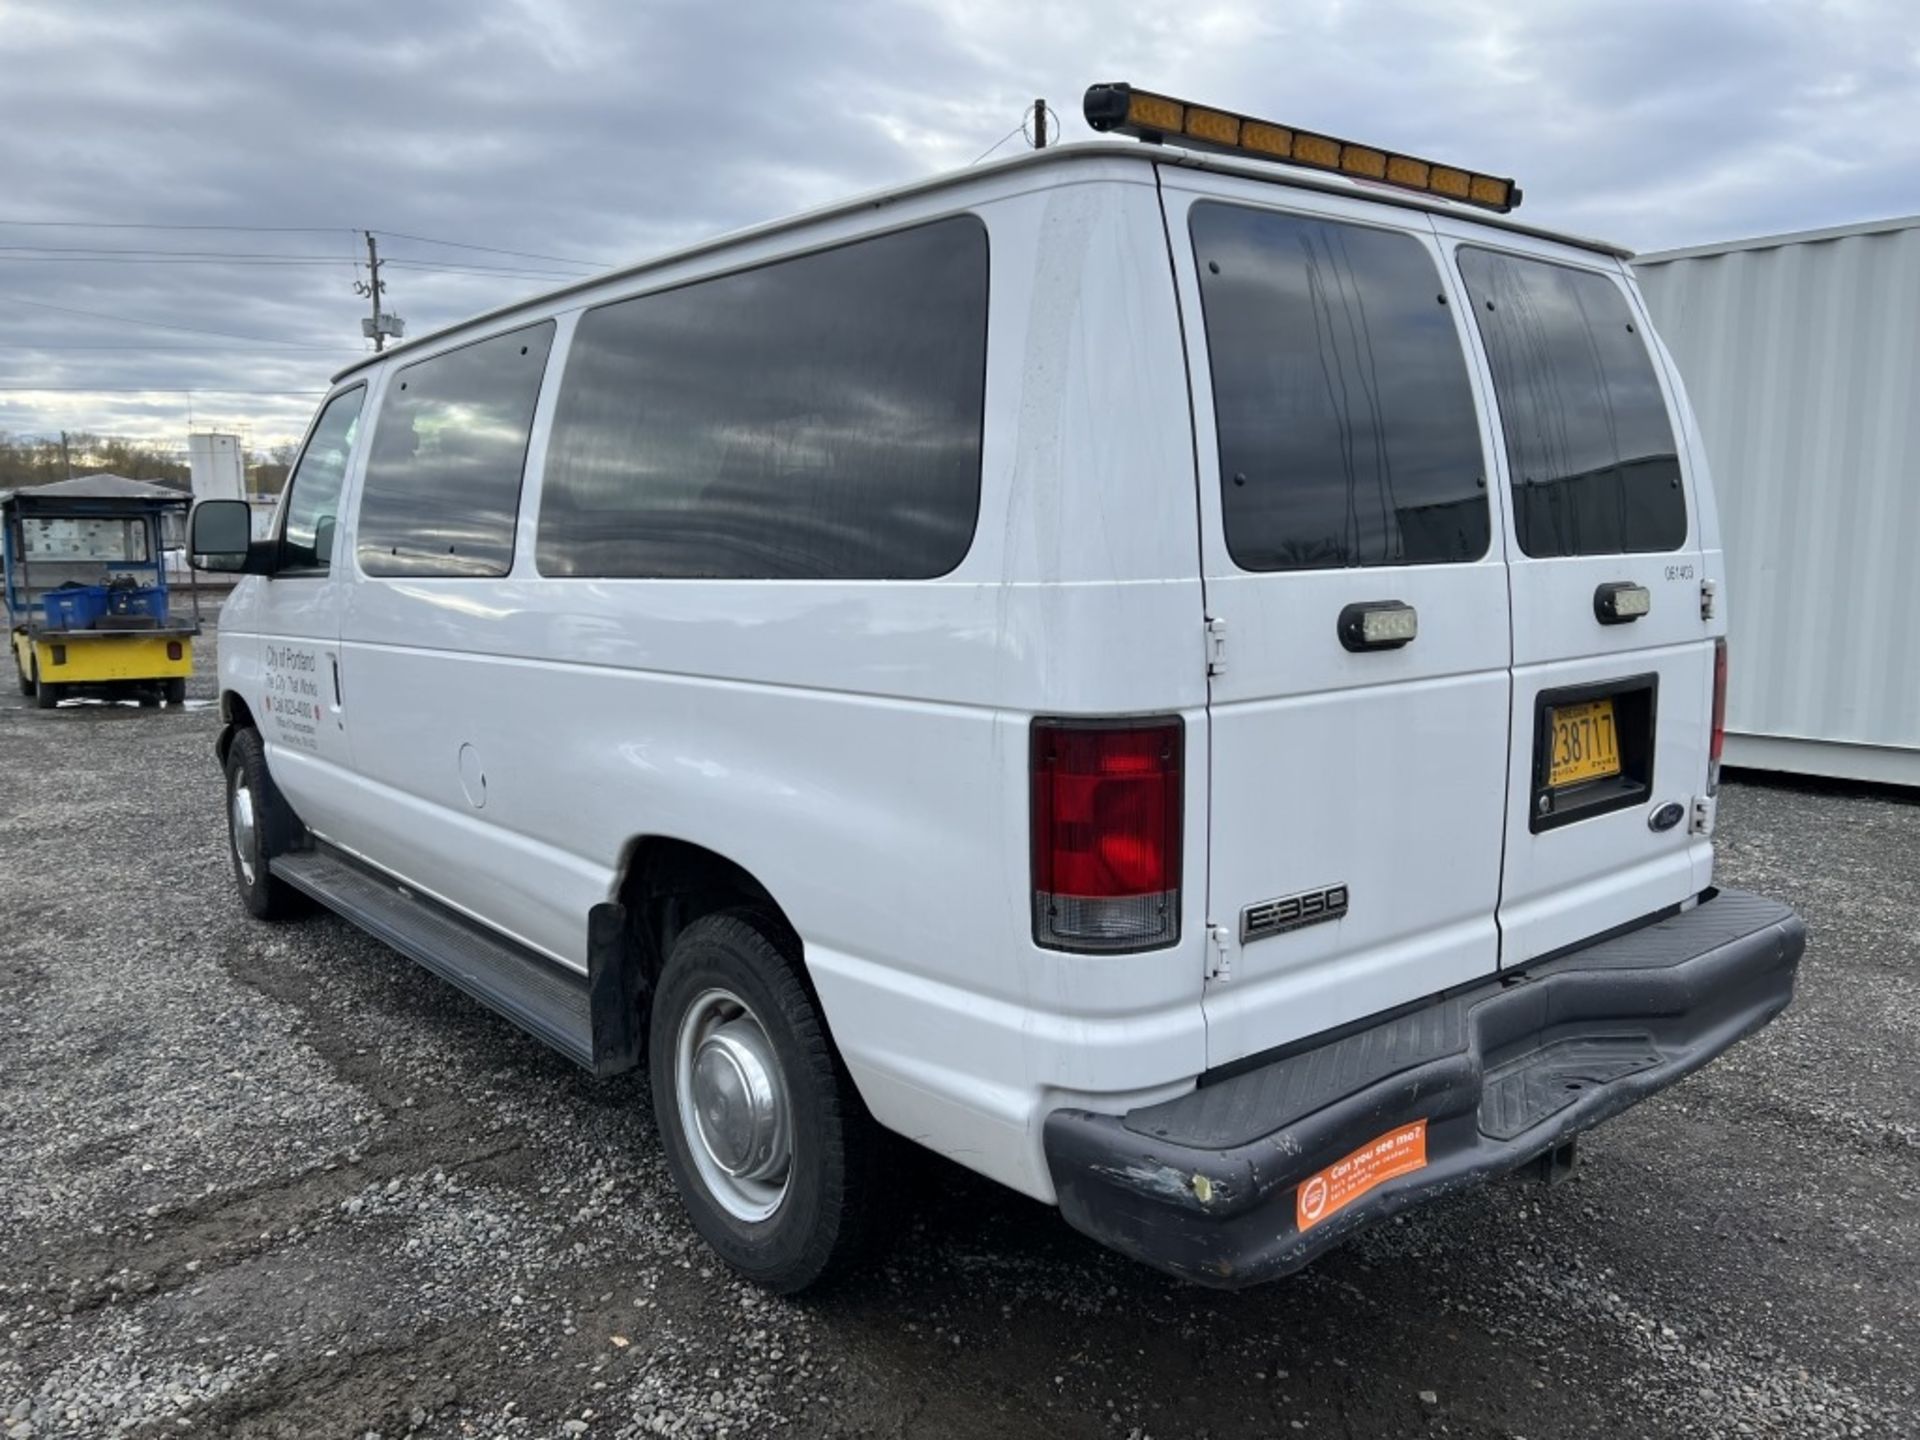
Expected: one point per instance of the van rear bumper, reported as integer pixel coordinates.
(1216, 1185)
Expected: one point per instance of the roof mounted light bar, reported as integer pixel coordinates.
(1156, 118)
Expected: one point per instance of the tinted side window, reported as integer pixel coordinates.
(313, 490)
(1589, 447)
(817, 418)
(1346, 423)
(442, 491)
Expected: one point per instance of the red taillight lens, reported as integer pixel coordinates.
(174, 652)
(1106, 833)
(1719, 741)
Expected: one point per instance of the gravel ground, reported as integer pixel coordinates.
(275, 1181)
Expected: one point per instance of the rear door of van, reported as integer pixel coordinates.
(1352, 549)
(1613, 652)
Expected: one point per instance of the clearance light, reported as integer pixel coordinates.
(1717, 743)
(1126, 111)
(1378, 625)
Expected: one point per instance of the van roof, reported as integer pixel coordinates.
(952, 179)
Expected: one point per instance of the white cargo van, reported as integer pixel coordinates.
(1183, 676)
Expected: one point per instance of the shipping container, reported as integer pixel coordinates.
(1801, 354)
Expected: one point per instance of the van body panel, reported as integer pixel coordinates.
(1381, 772)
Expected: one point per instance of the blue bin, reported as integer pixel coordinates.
(149, 601)
(77, 607)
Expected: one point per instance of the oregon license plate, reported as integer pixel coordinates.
(1586, 746)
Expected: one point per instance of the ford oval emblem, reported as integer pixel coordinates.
(1667, 816)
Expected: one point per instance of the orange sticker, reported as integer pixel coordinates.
(1398, 1152)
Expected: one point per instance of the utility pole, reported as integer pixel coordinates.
(374, 287)
(380, 324)
(1040, 124)
(66, 458)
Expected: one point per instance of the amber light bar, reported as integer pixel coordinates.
(1146, 116)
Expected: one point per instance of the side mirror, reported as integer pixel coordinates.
(220, 538)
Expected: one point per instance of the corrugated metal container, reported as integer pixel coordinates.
(1801, 354)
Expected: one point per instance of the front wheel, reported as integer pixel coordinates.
(766, 1137)
(259, 826)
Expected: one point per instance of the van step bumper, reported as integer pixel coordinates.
(1252, 1176)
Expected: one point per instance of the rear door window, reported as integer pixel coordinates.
(1346, 420)
(442, 492)
(1590, 448)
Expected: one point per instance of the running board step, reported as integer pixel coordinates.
(549, 1001)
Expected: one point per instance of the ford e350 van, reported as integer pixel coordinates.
(1184, 676)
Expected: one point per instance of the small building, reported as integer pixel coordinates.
(1801, 354)
(218, 465)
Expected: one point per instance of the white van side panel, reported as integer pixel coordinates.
(860, 747)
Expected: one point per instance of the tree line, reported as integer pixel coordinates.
(27, 460)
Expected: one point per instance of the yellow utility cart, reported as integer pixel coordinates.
(89, 609)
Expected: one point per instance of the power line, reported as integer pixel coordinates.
(998, 143)
(34, 345)
(156, 225)
(28, 387)
(259, 262)
(490, 249)
(146, 251)
(301, 230)
(484, 270)
(8, 255)
(155, 324)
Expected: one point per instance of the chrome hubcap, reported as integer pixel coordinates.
(241, 809)
(733, 1107)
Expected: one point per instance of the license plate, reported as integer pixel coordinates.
(1586, 746)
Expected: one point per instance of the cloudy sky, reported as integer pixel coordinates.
(577, 134)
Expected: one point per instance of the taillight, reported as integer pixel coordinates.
(1719, 741)
(174, 652)
(1106, 833)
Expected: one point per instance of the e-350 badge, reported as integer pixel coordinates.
(1290, 912)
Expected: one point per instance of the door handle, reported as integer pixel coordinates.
(337, 701)
(1377, 625)
(1619, 601)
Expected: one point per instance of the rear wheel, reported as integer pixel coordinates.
(259, 826)
(45, 693)
(176, 690)
(765, 1135)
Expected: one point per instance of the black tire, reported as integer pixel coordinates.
(148, 699)
(819, 1225)
(275, 831)
(46, 694)
(176, 690)
(22, 677)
